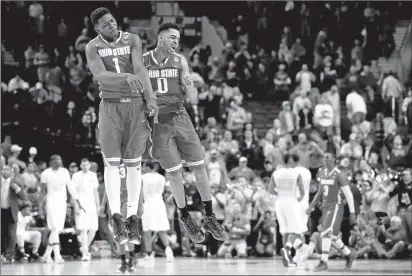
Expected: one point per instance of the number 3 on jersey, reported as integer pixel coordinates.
(325, 190)
(162, 85)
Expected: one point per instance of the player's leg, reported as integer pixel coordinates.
(33, 237)
(110, 136)
(136, 134)
(281, 216)
(337, 242)
(168, 251)
(165, 150)
(329, 216)
(191, 151)
(123, 266)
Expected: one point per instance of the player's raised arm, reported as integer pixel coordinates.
(140, 69)
(186, 79)
(96, 66)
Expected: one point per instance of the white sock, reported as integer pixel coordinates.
(341, 246)
(134, 185)
(326, 244)
(49, 250)
(84, 242)
(56, 250)
(112, 184)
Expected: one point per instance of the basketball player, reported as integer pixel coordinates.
(154, 217)
(115, 59)
(304, 203)
(285, 182)
(86, 184)
(55, 181)
(332, 185)
(174, 137)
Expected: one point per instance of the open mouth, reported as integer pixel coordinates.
(173, 47)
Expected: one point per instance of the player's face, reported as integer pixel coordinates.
(85, 166)
(107, 26)
(171, 39)
(57, 162)
(329, 160)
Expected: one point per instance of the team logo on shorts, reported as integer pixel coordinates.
(176, 59)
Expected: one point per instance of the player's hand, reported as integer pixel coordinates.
(153, 110)
(309, 211)
(352, 218)
(134, 83)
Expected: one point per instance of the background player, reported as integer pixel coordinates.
(332, 182)
(304, 203)
(174, 138)
(115, 59)
(285, 182)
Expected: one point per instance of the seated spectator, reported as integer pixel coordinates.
(42, 61)
(282, 83)
(73, 59)
(392, 95)
(352, 149)
(82, 41)
(248, 145)
(25, 235)
(351, 81)
(357, 51)
(238, 227)
(242, 171)
(306, 118)
(216, 169)
(266, 242)
(395, 237)
(40, 94)
(226, 144)
(236, 118)
(356, 106)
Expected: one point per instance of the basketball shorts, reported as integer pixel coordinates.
(288, 215)
(175, 141)
(331, 220)
(123, 130)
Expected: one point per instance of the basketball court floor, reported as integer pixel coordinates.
(192, 266)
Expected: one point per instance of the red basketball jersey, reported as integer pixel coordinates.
(165, 78)
(117, 58)
(330, 187)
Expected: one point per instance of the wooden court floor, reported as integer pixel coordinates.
(192, 266)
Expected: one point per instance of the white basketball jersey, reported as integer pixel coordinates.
(286, 182)
(306, 179)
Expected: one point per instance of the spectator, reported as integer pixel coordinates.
(287, 118)
(11, 192)
(266, 240)
(17, 83)
(395, 240)
(29, 56)
(73, 59)
(357, 51)
(305, 78)
(392, 95)
(32, 155)
(225, 145)
(40, 95)
(236, 118)
(305, 119)
(352, 149)
(14, 158)
(333, 98)
(304, 149)
(238, 229)
(24, 235)
(298, 51)
(216, 169)
(6, 147)
(82, 41)
(356, 106)
(277, 130)
(42, 61)
(242, 171)
(282, 83)
(248, 145)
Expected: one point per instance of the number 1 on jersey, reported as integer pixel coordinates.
(116, 64)
(162, 85)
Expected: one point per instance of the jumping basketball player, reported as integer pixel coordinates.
(175, 138)
(115, 59)
(285, 182)
(332, 183)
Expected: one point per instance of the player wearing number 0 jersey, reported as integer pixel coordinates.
(174, 137)
(332, 185)
(115, 59)
(287, 182)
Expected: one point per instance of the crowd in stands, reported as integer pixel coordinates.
(334, 97)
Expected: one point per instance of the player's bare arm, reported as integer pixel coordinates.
(301, 188)
(141, 72)
(272, 186)
(315, 200)
(348, 195)
(103, 76)
(188, 85)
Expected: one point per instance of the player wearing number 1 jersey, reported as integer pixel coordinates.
(332, 185)
(115, 59)
(174, 137)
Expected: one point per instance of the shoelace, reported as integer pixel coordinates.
(190, 224)
(120, 227)
(214, 224)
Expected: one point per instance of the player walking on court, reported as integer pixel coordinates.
(285, 182)
(115, 59)
(332, 183)
(174, 137)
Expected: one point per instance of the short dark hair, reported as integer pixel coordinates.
(166, 26)
(286, 158)
(84, 160)
(25, 205)
(97, 14)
